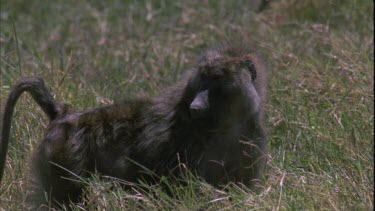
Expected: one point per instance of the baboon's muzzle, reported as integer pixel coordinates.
(200, 105)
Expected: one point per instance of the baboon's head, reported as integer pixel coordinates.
(223, 87)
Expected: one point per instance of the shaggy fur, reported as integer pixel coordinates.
(227, 144)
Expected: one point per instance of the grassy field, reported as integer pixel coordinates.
(320, 109)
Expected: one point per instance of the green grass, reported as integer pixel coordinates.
(320, 114)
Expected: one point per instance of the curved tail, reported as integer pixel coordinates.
(36, 87)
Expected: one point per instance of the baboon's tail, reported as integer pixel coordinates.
(36, 87)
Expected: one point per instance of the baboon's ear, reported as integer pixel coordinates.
(249, 65)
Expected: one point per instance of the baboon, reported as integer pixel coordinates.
(259, 5)
(211, 122)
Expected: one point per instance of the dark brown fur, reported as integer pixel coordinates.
(225, 143)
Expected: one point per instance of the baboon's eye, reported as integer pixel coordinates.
(251, 68)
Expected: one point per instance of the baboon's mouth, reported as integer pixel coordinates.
(197, 113)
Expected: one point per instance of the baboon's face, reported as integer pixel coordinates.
(225, 91)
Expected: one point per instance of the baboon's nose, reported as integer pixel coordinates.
(199, 106)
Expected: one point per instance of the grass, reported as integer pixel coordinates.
(320, 112)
